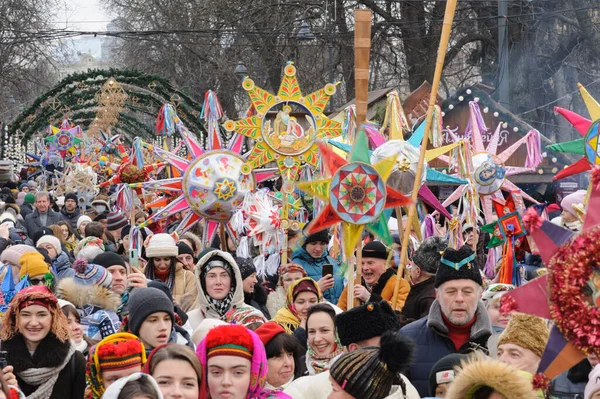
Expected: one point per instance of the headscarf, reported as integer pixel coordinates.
(221, 306)
(258, 371)
(290, 268)
(287, 317)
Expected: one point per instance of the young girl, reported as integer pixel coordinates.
(177, 371)
(35, 334)
(235, 364)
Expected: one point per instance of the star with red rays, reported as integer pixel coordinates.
(356, 194)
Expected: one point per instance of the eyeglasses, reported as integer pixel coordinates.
(36, 281)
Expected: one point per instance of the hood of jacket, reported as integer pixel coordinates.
(81, 295)
(238, 294)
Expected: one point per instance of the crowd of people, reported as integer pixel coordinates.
(84, 319)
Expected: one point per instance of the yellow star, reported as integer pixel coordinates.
(224, 189)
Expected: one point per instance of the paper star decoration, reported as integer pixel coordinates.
(356, 194)
(278, 135)
(212, 184)
(589, 145)
(64, 138)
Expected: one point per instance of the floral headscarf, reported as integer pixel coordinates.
(287, 317)
(258, 372)
(290, 268)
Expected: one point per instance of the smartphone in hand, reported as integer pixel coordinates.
(327, 269)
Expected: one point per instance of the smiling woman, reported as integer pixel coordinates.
(35, 335)
(323, 342)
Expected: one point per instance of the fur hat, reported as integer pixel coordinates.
(52, 240)
(443, 370)
(116, 352)
(89, 273)
(458, 265)
(527, 331)
(232, 340)
(427, 257)
(115, 220)
(13, 253)
(33, 264)
(83, 219)
(374, 318)
(322, 236)
(480, 372)
(375, 249)
(161, 245)
(369, 373)
(246, 266)
(593, 384)
(145, 301)
(108, 259)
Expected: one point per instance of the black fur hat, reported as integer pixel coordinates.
(429, 254)
(374, 319)
(458, 265)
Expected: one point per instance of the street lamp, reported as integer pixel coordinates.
(304, 34)
(240, 70)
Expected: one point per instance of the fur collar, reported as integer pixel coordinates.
(51, 352)
(82, 295)
(383, 279)
(480, 331)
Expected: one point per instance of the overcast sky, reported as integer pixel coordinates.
(83, 15)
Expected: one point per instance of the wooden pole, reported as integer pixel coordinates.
(358, 268)
(223, 237)
(439, 66)
(285, 221)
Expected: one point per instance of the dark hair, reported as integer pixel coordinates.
(94, 229)
(287, 343)
(149, 270)
(70, 310)
(320, 307)
(141, 386)
(483, 393)
(177, 352)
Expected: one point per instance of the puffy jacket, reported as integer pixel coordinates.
(62, 266)
(430, 334)
(314, 269)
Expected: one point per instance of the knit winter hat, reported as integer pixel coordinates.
(268, 331)
(233, 340)
(429, 254)
(71, 196)
(593, 384)
(115, 220)
(369, 373)
(527, 331)
(443, 370)
(375, 249)
(108, 259)
(161, 245)
(118, 351)
(373, 318)
(246, 266)
(101, 217)
(13, 253)
(8, 217)
(322, 236)
(83, 219)
(29, 198)
(52, 240)
(182, 248)
(458, 265)
(575, 198)
(89, 273)
(20, 198)
(305, 285)
(32, 264)
(145, 301)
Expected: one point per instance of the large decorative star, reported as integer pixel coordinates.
(589, 145)
(64, 138)
(356, 193)
(278, 135)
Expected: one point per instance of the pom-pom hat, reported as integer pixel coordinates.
(89, 273)
(234, 340)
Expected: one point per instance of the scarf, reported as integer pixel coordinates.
(81, 347)
(221, 306)
(287, 317)
(44, 378)
(316, 364)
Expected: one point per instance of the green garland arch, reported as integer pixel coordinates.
(75, 96)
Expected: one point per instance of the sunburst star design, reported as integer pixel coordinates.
(356, 194)
(64, 138)
(283, 139)
(213, 182)
(589, 145)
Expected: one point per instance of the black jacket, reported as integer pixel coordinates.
(419, 299)
(71, 217)
(50, 353)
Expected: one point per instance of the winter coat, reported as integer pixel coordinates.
(318, 386)
(71, 217)
(62, 267)
(419, 299)
(430, 334)
(314, 269)
(383, 290)
(33, 223)
(50, 353)
(258, 300)
(97, 306)
(26, 209)
(203, 309)
(185, 282)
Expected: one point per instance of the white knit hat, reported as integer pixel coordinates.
(593, 384)
(161, 245)
(82, 219)
(48, 239)
(114, 390)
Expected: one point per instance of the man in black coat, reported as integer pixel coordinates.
(71, 210)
